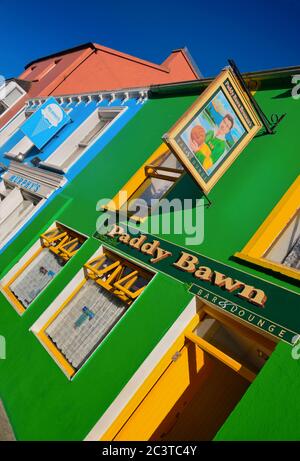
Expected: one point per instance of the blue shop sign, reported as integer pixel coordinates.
(25, 183)
(45, 123)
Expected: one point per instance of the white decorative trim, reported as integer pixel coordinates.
(57, 160)
(112, 98)
(141, 94)
(49, 180)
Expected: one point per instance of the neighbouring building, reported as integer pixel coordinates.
(34, 170)
(88, 68)
(141, 332)
(94, 86)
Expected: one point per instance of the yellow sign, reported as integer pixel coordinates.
(214, 130)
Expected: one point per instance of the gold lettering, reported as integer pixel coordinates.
(116, 230)
(186, 262)
(253, 295)
(150, 248)
(227, 282)
(160, 255)
(137, 242)
(124, 238)
(203, 273)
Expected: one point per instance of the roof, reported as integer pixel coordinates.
(271, 75)
(96, 46)
(60, 53)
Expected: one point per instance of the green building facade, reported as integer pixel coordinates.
(41, 402)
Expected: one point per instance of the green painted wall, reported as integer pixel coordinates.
(271, 406)
(41, 403)
(242, 199)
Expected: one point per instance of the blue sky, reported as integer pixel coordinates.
(259, 34)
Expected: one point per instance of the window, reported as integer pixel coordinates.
(15, 206)
(241, 348)
(13, 125)
(11, 95)
(25, 146)
(40, 265)
(20, 150)
(90, 306)
(276, 244)
(81, 139)
(152, 181)
(286, 249)
(228, 338)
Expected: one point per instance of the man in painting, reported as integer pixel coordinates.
(209, 146)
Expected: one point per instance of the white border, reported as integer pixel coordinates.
(47, 163)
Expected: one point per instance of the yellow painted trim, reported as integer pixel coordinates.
(184, 120)
(59, 358)
(25, 265)
(261, 338)
(47, 239)
(166, 361)
(135, 181)
(270, 230)
(64, 304)
(14, 301)
(95, 272)
(6, 289)
(52, 349)
(276, 267)
(132, 278)
(219, 355)
(149, 382)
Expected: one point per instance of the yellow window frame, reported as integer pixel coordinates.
(137, 180)
(65, 249)
(270, 230)
(93, 271)
(187, 335)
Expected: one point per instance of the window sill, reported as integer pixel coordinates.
(275, 267)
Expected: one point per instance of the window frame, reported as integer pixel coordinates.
(67, 295)
(44, 241)
(270, 230)
(67, 144)
(22, 223)
(12, 126)
(146, 171)
(9, 87)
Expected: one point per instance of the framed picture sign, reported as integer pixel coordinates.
(214, 130)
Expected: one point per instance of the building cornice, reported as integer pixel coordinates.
(140, 94)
